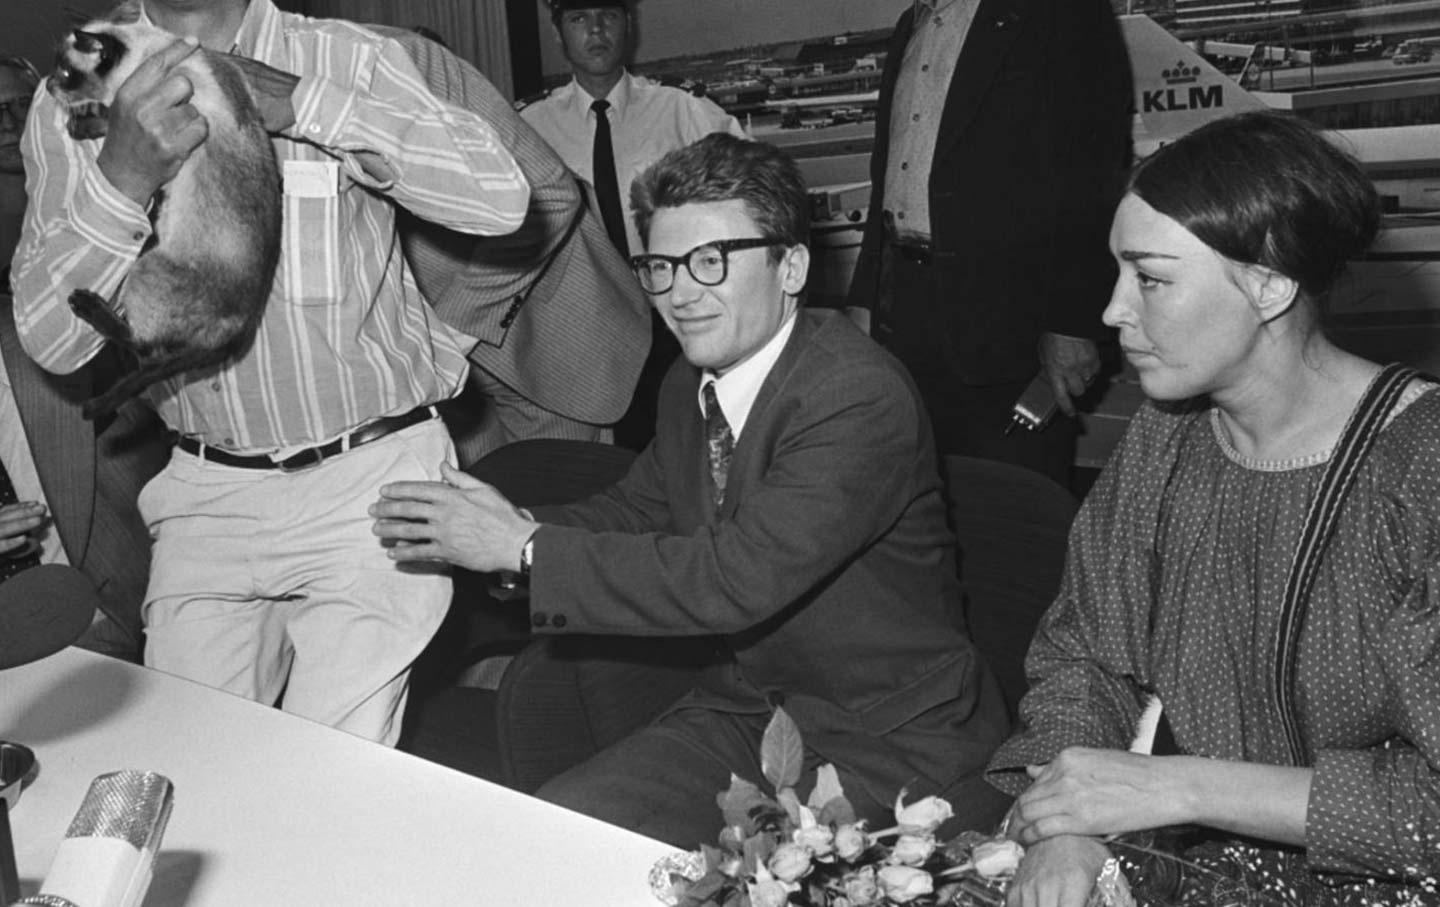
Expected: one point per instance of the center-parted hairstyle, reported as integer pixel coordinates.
(1266, 189)
(721, 168)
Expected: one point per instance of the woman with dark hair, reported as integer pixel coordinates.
(1249, 583)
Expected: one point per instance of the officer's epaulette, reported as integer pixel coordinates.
(537, 96)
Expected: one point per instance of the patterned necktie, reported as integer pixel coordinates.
(719, 443)
(607, 184)
(11, 565)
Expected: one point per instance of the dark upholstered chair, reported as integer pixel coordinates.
(1012, 525)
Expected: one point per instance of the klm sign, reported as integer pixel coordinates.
(1195, 97)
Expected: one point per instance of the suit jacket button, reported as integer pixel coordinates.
(558, 621)
(539, 619)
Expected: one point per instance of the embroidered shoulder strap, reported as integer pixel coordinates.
(1359, 435)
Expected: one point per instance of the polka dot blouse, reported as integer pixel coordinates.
(1177, 566)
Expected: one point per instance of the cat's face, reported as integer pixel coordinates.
(89, 67)
(93, 62)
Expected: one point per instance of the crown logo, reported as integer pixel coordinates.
(1180, 74)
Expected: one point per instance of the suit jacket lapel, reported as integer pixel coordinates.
(994, 29)
(61, 441)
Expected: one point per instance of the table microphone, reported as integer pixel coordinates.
(108, 854)
(43, 610)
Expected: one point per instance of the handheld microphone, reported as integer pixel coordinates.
(108, 854)
(43, 610)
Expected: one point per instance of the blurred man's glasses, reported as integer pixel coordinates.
(709, 264)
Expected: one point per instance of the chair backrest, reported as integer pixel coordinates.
(549, 471)
(1012, 525)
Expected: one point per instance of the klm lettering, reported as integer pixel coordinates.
(1197, 97)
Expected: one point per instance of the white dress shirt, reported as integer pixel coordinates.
(737, 389)
(647, 120)
(916, 108)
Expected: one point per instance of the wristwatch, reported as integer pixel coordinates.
(527, 554)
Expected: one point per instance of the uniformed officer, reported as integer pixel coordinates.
(608, 124)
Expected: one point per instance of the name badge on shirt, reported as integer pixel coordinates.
(311, 179)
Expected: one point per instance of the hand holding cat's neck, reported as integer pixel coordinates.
(214, 23)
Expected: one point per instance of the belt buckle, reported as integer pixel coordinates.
(303, 460)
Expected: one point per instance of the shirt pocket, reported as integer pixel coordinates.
(310, 268)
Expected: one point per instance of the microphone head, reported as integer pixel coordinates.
(107, 857)
(131, 806)
(43, 610)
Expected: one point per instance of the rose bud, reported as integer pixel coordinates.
(789, 862)
(861, 888)
(903, 884)
(923, 816)
(997, 858)
(818, 839)
(912, 850)
(851, 841)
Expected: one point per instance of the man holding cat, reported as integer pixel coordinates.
(265, 576)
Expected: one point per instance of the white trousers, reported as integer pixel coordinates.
(270, 584)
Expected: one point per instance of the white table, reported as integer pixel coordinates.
(274, 811)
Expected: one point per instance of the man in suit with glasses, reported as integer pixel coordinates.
(789, 508)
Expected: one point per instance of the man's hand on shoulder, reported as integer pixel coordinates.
(152, 127)
(1071, 363)
(460, 521)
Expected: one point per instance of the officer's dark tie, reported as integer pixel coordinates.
(719, 443)
(9, 566)
(607, 184)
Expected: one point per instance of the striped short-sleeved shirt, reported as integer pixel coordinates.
(346, 336)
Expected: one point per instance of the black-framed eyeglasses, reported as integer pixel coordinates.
(708, 264)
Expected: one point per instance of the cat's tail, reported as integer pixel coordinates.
(148, 372)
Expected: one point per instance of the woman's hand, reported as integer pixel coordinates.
(1100, 792)
(1059, 872)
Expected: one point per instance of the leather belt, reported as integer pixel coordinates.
(310, 456)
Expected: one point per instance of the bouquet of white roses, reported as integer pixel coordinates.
(778, 850)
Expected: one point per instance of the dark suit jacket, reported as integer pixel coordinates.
(1029, 165)
(827, 577)
(559, 315)
(91, 480)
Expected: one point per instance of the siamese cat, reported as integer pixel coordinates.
(197, 292)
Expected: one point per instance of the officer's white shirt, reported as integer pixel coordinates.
(647, 120)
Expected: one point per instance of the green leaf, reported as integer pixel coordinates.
(836, 811)
(781, 753)
(737, 803)
(757, 850)
(827, 787)
(704, 890)
(713, 857)
(791, 803)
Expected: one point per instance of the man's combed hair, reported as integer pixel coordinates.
(721, 168)
(1266, 189)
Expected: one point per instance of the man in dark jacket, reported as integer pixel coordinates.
(1002, 137)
